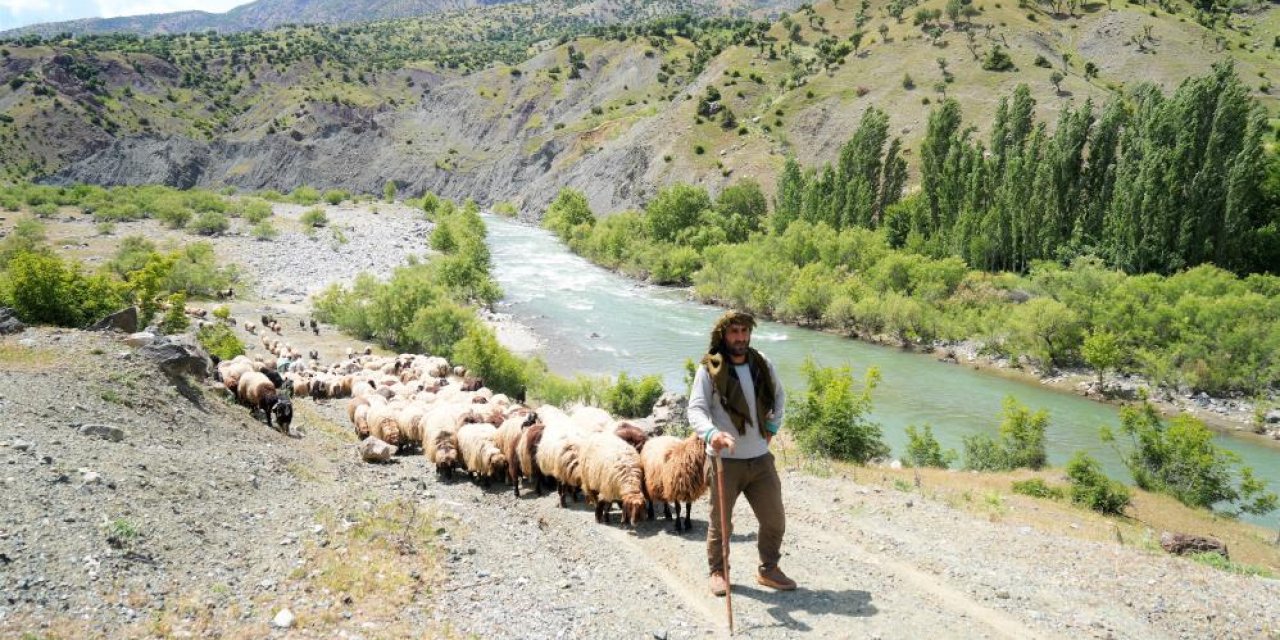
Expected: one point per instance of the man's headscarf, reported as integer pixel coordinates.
(724, 377)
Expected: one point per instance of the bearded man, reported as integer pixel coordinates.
(736, 407)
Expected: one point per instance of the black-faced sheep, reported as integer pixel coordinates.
(611, 472)
(675, 472)
(257, 392)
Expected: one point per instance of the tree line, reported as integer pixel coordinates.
(1153, 183)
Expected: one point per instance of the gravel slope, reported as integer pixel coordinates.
(230, 517)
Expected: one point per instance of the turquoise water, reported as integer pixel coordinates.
(597, 322)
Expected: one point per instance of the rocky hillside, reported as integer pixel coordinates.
(485, 102)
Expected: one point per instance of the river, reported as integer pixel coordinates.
(594, 321)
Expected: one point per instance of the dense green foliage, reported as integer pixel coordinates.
(924, 450)
(830, 417)
(662, 243)
(220, 340)
(1021, 442)
(1090, 487)
(1180, 459)
(1154, 184)
(866, 180)
(175, 317)
(633, 398)
(46, 289)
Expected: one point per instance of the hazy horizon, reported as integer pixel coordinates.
(15, 14)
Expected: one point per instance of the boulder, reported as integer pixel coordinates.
(375, 450)
(125, 320)
(9, 322)
(1184, 543)
(177, 356)
(104, 431)
(1273, 416)
(140, 339)
(670, 410)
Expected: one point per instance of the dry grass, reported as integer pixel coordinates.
(14, 356)
(378, 567)
(990, 495)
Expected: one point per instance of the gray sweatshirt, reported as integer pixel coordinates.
(706, 416)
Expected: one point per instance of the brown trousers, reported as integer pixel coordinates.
(758, 480)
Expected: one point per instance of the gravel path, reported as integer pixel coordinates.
(231, 522)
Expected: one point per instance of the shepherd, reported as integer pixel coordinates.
(736, 407)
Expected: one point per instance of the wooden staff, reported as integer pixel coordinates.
(724, 540)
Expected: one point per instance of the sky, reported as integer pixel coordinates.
(17, 13)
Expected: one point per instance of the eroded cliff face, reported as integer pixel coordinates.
(493, 136)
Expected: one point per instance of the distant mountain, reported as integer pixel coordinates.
(261, 14)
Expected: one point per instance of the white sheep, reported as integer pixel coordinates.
(480, 455)
(611, 472)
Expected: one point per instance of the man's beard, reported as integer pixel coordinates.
(738, 350)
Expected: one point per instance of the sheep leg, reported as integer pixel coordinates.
(688, 515)
(666, 510)
(560, 488)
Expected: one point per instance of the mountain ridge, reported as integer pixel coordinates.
(627, 125)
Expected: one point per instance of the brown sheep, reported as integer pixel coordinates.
(634, 436)
(256, 391)
(675, 471)
(527, 457)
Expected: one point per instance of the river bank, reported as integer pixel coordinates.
(1236, 416)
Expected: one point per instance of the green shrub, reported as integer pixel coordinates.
(305, 196)
(313, 218)
(1036, 488)
(562, 392)
(633, 398)
(436, 328)
(220, 340)
(222, 312)
(202, 201)
(45, 290)
(264, 230)
(1180, 459)
(484, 357)
(27, 236)
(172, 213)
(45, 210)
(505, 209)
(175, 318)
(1021, 442)
(195, 271)
(568, 210)
(336, 196)
(210, 223)
(389, 191)
(830, 417)
(1092, 488)
(924, 450)
(255, 210)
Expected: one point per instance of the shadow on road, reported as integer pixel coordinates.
(781, 605)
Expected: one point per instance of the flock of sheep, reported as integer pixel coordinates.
(418, 402)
